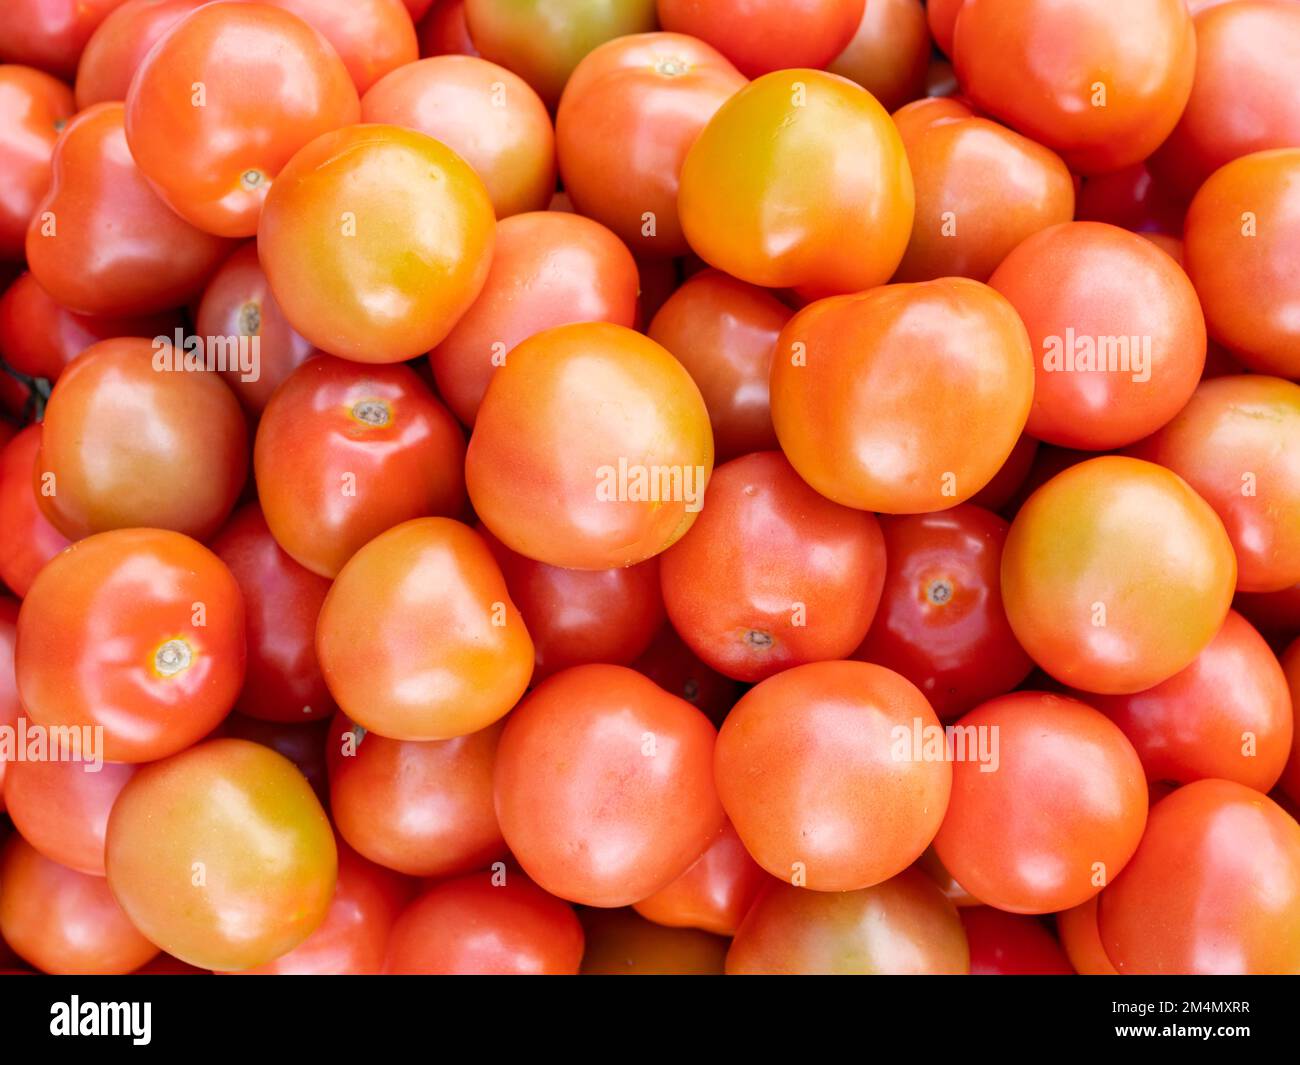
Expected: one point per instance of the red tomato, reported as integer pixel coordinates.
(930, 865)
(50, 34)
(622, 943)
(889, 54)
(372, 37)
(1008, 480)
(27, 539)
(1081, 939)
(1290, 782)
(1131, 198)
(1005, 944)
(676, 668)
(10, 708)
(175, 662)
(1275, 614)
(824, 773)
(119, 44)
(942, 17)
(604, 786)
(33, 109)
(444, 30)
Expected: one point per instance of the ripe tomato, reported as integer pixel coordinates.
(372, 37)
(1005, 944)
(1275, 614)
(724, 332)
(591, 448)
(772, 575)
(642, 808)
(941, 623)
(1116, 575)
(1081, 939)
(50, 34)
(1047, 817)
(1008, 480)
(1213, 888)
(942, 17)
(889, 54)
(303, 743)
(346, 451)
(376, 240)
(119, 44)
(175, 662)
(219, 107)
(629, 114)
(800, 180)
(676, 668)
(27, 539)
(418, 637)
(63, 921)
(1290, 782)
(548, 269)
(282, 600)
(900, 927)
(33, 109)
(486, 924)
(10, 708)
(823, 772)
(222, 855)
(930, 865)
(1100, 83)
(444, 31)
(102, 242)
(421, 808)
(765, 35)
(622, 943)
(131, 442)
(903, 399)
(1131, 198)
(488, 115)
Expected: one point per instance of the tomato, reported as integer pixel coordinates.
(1214, 887)
(444, 30)
(548, 269)
(34, 107)
(418, 8)
(543, 40)
(903, 399)
(591, 448)
(1005, 944)
(1047, 817)
(981, 189)
(493, 924)
(1243, 251)
(27, 539)
(1131, 198)
(222, 855)
(134, 439)
(772, 575)
(421, 808)
(629, 114)
(1081, 939)
(941, 623)
(1245, 94)
(765, 35)
(930, 865)
(621, 943)
(604, 786)
(942, 18)
(372, 37)
(418, 638)
(1008, 480)
(376, 240)
(724, 332)
(676, 668)
(282, 600)
(102, 242)
(61, 808)
(1100, 83)
(1226, 716)
(303, 743)
(1290, 782)
(580, 616)
(889, 54)
(1275, 614)
(903, 926)
(63, 921)
(174, 664)
(800, 180)
(345, 451)
(714, 894)
(1116, 575)
(267, 84)
(50, 34)
(119, 44)
(824, 773)
(10, 708)
(488, 115)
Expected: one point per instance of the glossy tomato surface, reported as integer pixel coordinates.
(119, 44)
(27, 539)
(34, 107)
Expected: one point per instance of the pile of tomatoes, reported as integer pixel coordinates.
(540, 486)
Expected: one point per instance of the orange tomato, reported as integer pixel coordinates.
(119, 44)
(34, 107)
(372, 37)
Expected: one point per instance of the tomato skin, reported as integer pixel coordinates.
(10, 708)
(622, 943)
(941, 623)
(677, 669)
(421, 808)
(767, 35)
(268, 855)
(1212, 889)
(62, 921)
(101, 241)
(419, 639)
(27, 539)
(272, 84)
(901, 926)
(889, 54)
(942, 18)
(119, 44)
(772, 575)
(1081, 939)
(800, 180)
(1006, 944)
(475, 925)
(1132, 198)
(345, 451)
(164, 681)
(639, 819)
(302, 743)
(930, 865)
(1116, 575)
(581, 493)
(126, 444)
(488, 115)
(548, 269)
(903, 399)
(628, 116)
(372, 37)
(33, 109)
(444, 30)
(1007, 482)
(50, 34)
(805, 768)
(1039, 66)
